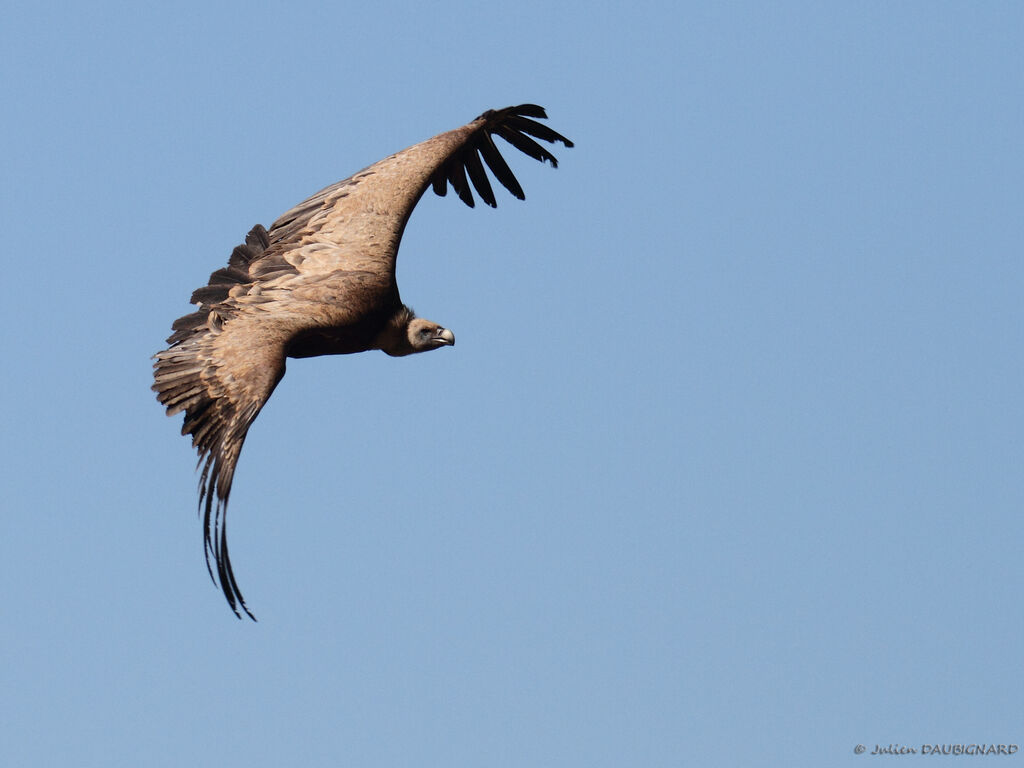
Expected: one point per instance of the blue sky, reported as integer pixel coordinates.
(724, 470)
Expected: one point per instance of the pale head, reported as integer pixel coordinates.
(411, 334)
(425, 335)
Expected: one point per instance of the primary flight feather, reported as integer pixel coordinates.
(320, 281)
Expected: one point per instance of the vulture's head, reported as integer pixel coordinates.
(426, 334)
(420, 336)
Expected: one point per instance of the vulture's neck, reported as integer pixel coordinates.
(394, 336)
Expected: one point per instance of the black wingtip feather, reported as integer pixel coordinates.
(530, 110)
(526, 145)
(214, 491)
(499, 167)
(479, 178)
(514, 125)
(532, 127)
(457, 177)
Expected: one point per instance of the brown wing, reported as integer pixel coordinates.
(220, 369)
(225, 360)
(357, 224)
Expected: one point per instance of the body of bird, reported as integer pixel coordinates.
(320, 281)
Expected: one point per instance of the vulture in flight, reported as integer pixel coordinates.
(320, 281)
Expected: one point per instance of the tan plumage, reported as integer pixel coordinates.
(320, 281)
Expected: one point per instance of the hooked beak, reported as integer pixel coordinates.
(445, 336)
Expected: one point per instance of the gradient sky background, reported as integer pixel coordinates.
(726, 468)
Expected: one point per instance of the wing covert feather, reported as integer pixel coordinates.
(220, 373)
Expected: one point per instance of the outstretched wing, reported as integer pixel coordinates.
(221, 367)
(357, 224)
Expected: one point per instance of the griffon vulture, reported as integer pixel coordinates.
(320, 281)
